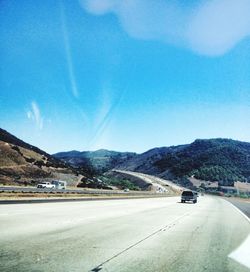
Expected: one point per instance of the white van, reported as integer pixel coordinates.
(59, 184)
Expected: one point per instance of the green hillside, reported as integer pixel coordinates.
(94, 162)
(220, 160)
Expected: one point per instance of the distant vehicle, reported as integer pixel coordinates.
(46, 185)
(59, 184)
(126, 190)
(189, 196)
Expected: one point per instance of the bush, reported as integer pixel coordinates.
(120, 183)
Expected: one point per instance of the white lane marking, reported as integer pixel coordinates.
(242, 253)
(246, 217)
(170, 224)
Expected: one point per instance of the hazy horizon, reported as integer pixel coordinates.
(124, 76)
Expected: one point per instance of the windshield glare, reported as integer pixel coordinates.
(125, 135)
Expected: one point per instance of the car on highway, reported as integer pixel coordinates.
(189, 196)
(59, 184)
(46, 185)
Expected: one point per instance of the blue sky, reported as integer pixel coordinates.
(124, 75)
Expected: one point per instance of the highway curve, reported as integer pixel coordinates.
(159, 234)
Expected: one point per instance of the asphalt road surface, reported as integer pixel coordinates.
(242, 205)
(125, 235)
(156, 181)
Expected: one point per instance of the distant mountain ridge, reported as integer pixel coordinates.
(98, 161)
(222, 160)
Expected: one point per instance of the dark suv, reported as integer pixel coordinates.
(188, 196)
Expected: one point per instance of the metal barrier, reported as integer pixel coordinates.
(79, 191)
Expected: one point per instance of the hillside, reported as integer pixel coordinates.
(21, 162)
(96, 162)
(222, 160)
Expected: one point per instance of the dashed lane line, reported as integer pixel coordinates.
(168, 226)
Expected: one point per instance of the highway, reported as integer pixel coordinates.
(154, 180)
(242, 205)
(147, 235)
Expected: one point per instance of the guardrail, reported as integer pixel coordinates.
(71, 191)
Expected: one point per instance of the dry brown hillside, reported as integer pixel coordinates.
(21, 163)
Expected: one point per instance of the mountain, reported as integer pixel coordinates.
(145, 162)
(222, 160)
(214, 160)
(96, 162)
(21, 162)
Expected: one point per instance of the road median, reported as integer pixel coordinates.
(22, 198)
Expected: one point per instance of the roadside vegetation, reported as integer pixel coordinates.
(222, 160)
(120, 183)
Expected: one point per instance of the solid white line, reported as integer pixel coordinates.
(242, 253)
(246, 217)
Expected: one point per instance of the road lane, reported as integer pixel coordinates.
(242, 204)
(154, 180)
(123, 235)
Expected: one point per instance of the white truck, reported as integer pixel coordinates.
(46, 185)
